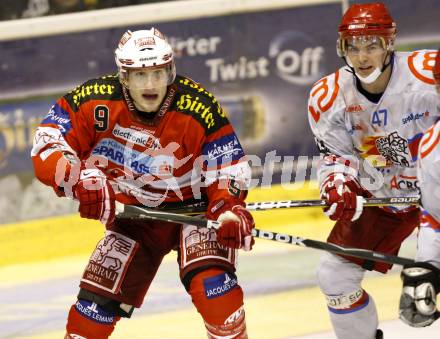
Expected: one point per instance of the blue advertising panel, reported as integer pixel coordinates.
(259, 65)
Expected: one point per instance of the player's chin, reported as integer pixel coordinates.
(150, 105)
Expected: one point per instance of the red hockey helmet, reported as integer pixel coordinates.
(436, 69)
(371, 19)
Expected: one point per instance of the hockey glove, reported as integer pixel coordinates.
(341, 195)
(236, 223)
(95, 195)
(421, 283)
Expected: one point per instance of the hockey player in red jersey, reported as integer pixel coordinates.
(368, 118)
(149, 137)
(421, 281)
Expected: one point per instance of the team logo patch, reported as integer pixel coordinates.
(92, 91)
(219, 285)
(139, 162)
(201, 244)
(356, 108)
(144, 42)
(136, 137)
(225, 149)
(394, 148)
(94, 312)
(414, 116)
(404, 182)
(60, 117)
(109, 262)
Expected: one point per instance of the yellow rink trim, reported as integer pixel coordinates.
(61, 266)
(46, 239)
(274, 316)
(58, 237)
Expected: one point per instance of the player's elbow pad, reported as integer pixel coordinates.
(52, 170)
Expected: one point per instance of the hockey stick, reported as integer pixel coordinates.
(259, 206)
(320, 245)
(200, 207)
(140, 212)
(137, 212)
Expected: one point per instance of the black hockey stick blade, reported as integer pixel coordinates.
(320, 245)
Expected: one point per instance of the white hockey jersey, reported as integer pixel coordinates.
(377, 143)
(428, 172)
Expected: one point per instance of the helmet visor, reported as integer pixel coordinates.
(148, 77)
(369, 44)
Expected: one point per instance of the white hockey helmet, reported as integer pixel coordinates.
(144, 49)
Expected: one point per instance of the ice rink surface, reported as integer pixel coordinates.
(44, 260)
(282, 300)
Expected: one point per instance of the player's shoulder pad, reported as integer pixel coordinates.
(324, 93)
(103, 88)
(420, 64)
(192, 99)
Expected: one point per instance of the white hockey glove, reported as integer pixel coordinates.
(421, 283)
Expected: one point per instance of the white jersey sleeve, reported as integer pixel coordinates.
(326, 109)
(428, 173)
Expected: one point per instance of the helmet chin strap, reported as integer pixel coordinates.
(374, 75)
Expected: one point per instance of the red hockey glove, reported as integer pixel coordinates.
(341, 194)
(236, 223)
(96, 196)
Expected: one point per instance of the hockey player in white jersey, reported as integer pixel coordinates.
(368, 118)
(421, 281)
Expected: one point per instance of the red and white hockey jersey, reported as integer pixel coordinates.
(428, 172)
(376, 143)
(186, 147)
